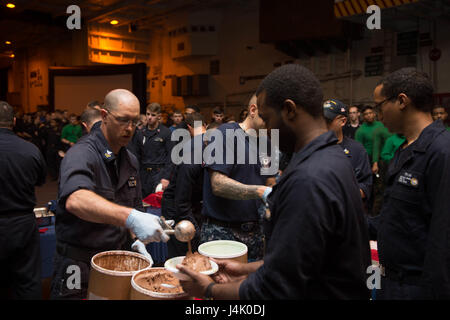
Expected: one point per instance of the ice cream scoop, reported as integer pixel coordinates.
(184, 231)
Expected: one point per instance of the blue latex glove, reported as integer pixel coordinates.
(266, 194)
(139, 247)
(146, 227)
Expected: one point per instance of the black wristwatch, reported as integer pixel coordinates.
(208, 291)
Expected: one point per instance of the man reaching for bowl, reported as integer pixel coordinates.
(318, 243)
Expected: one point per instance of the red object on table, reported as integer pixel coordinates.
(43, 230)
(154, 199)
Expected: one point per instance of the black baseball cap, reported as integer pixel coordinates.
(333, 108)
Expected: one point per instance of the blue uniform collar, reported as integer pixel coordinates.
(147, 131)
(346, 145)
(103, 146)
(322, 141)
(96, 125)
(427, 136)
(105, 151)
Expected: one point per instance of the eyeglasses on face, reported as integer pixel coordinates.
(125, 121)
(378, 106)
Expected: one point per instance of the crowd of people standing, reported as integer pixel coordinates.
(307, 225)
(54, 132)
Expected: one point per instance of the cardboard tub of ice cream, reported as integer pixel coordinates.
(156, 284)
(111, 273)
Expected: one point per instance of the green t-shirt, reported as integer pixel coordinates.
(71, 132)
(364, 135)
(390, 147)
(380, 135)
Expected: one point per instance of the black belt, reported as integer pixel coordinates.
(243, 226)
(75, 253)
(407, 277)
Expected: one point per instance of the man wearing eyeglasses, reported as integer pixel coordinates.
(99, 197)
(414, 224)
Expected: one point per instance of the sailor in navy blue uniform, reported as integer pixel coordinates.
(99, 197)
(156, 163)
(22, 167)
(336, 115)
(413, 228)
(318, 244)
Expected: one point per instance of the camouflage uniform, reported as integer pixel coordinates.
(253, 238)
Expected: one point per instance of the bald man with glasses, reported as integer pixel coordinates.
(99, 197)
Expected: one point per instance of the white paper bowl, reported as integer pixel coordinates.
(172, 263)
(224, 249)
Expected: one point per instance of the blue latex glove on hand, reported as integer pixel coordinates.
(266, 194)
(139, 247)
(170, 223)
(146, 227)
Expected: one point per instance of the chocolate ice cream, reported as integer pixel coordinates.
(197, 262)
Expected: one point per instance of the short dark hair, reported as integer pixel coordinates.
(154, 107)
(415, 84)
(192, 117)
(6, 115)
(93, 104)
(176, 111)
(193, 107)
(213, 125)
(90, 115)
(244, 112)
(229, 118)
(218, 110)
(439, 106)
(364, 108)
(292, 81)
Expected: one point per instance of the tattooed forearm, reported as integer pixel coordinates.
(226, 187)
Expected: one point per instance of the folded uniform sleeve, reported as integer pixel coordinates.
(216, 153)
(77, 171)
